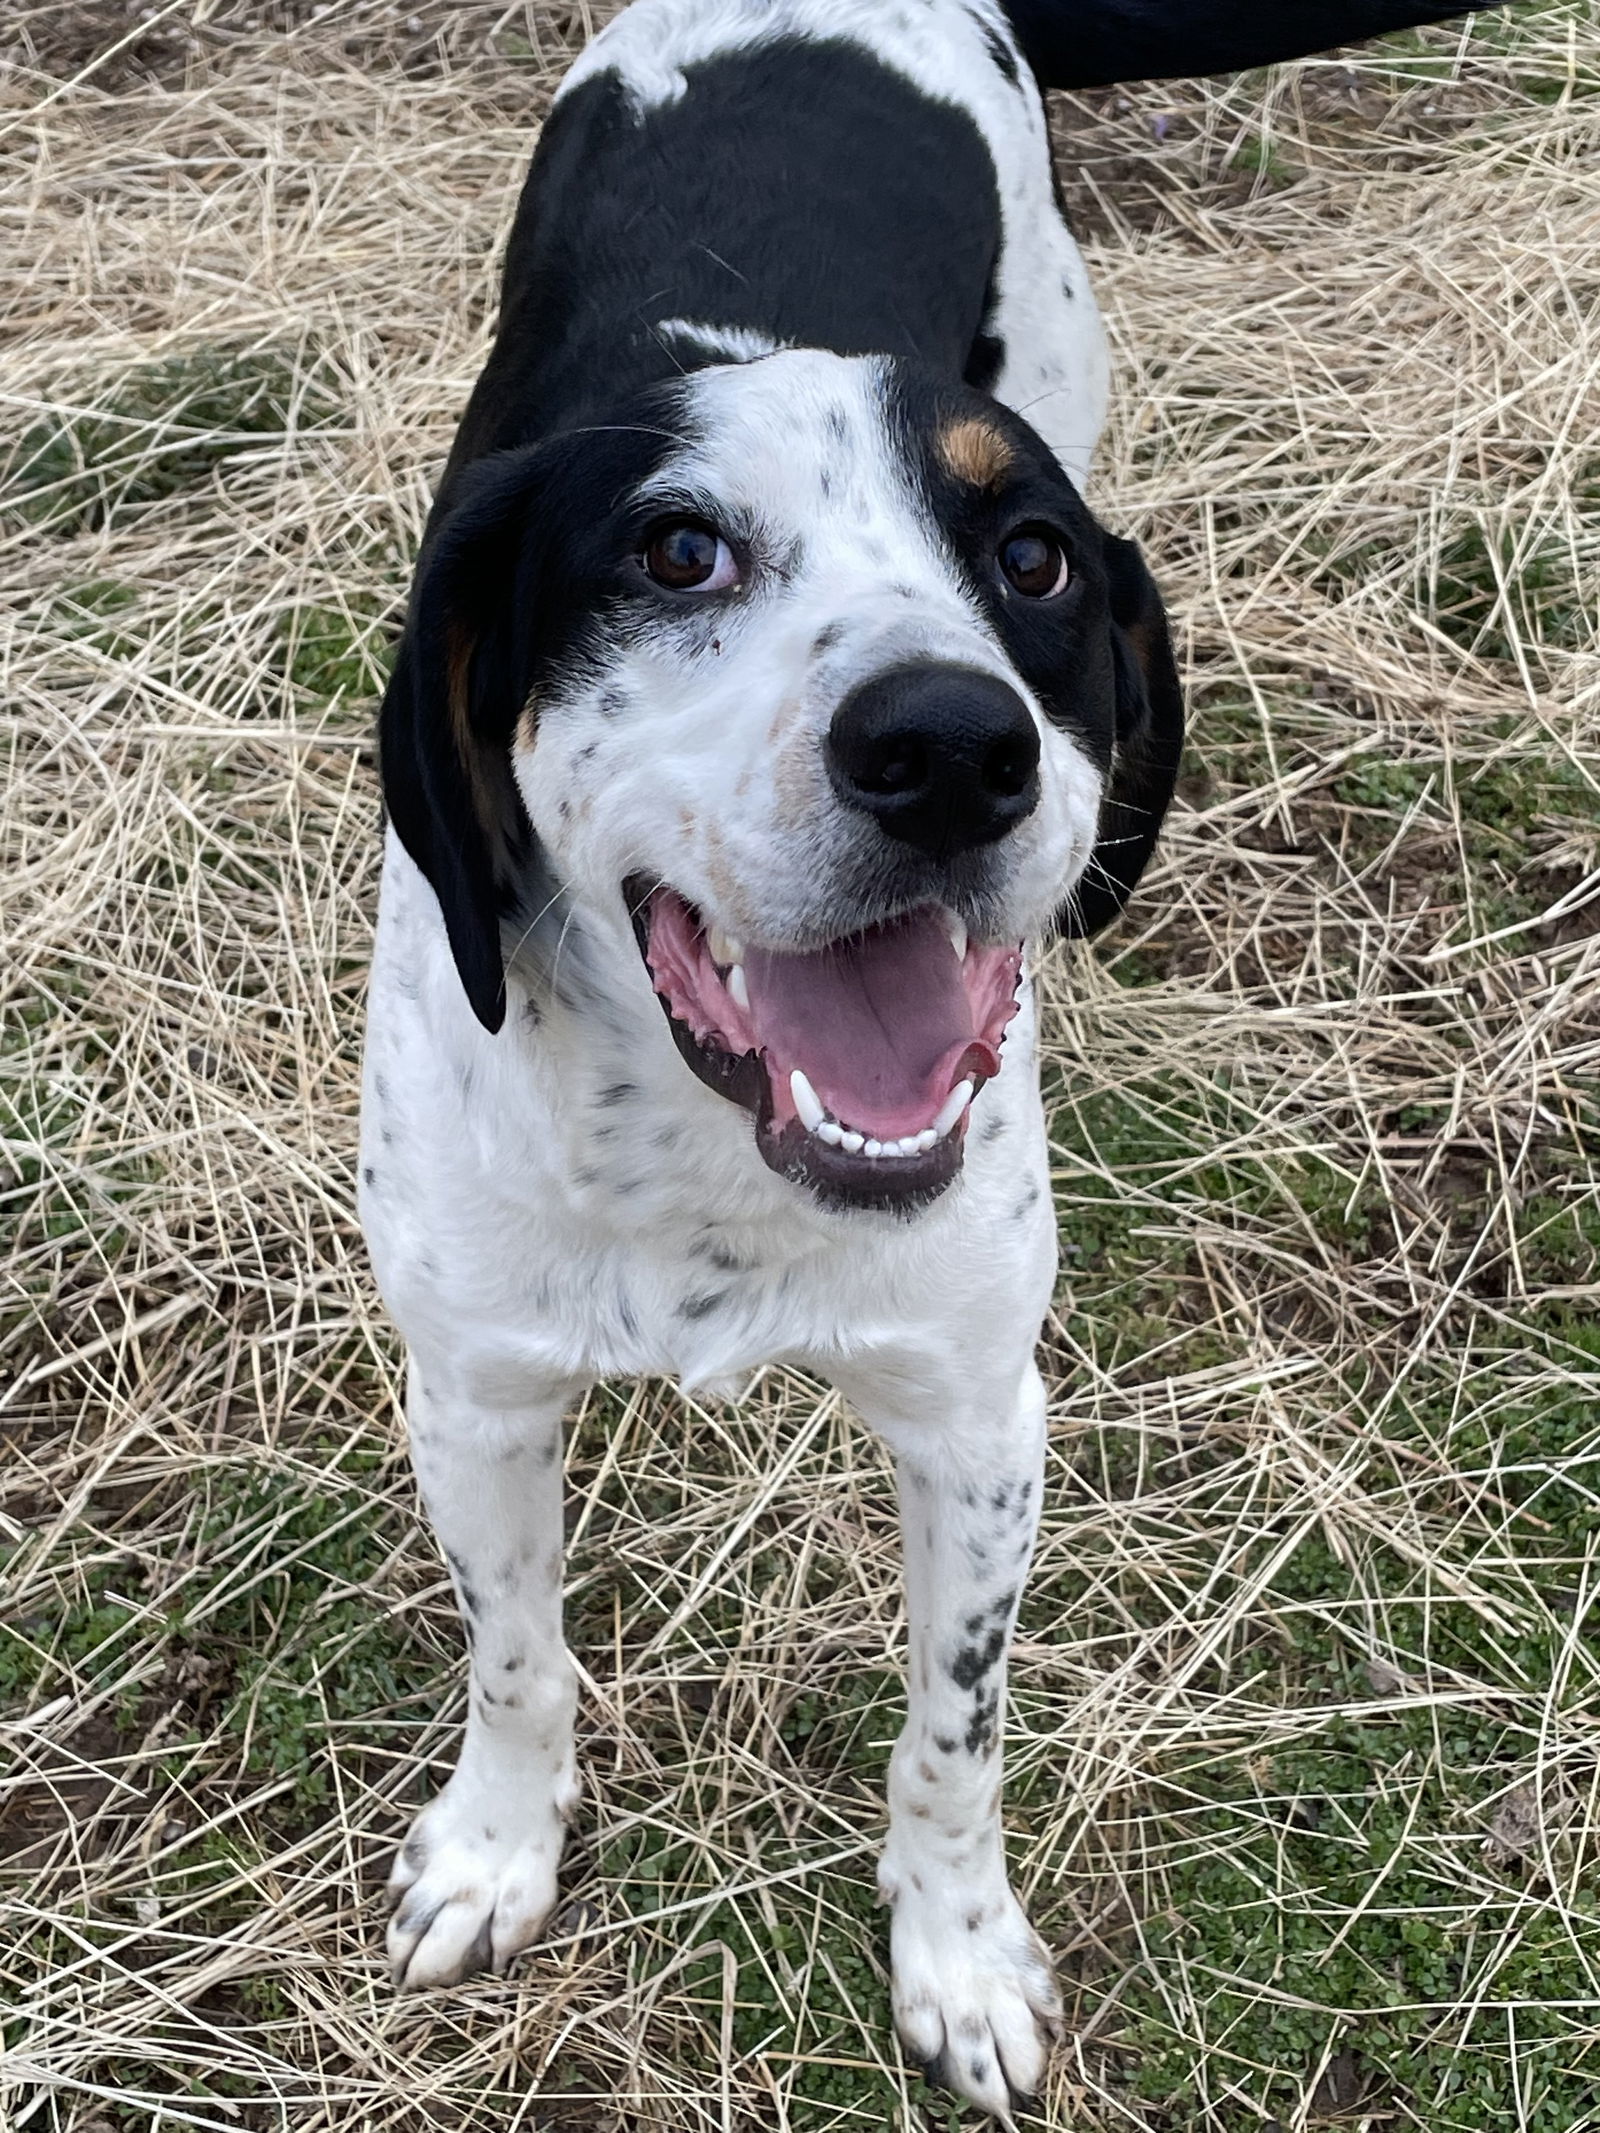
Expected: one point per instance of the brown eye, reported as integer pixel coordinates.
(685, 556)
(1034, 563)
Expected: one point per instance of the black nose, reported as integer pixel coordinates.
(944, 757)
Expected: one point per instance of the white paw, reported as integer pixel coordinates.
(472, 1886)
(975, 1999)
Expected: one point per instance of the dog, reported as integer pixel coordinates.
(767, 693)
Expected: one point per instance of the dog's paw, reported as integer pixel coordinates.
(975, 1999)
(471, 1888)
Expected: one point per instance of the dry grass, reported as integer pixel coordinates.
(1305, 1747)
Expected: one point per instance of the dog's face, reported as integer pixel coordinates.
(821, 677)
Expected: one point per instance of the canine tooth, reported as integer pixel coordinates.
(806, 1101)
(852, 1143)
(738, 990)
(957, 928)
(830, 1131)
(724, 948)
(873, 1148)
(926, 1139)
(954, 1104)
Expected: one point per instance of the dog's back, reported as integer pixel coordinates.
(717, 180)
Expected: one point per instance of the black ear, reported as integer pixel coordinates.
(460, 682)
(1086, 44)
(1149, 744)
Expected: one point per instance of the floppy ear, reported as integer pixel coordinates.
(1086, 44)
(1149, 744)
(463, 673)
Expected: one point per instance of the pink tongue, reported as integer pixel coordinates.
(881, 1024)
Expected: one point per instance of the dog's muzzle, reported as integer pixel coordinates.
(860, 1059)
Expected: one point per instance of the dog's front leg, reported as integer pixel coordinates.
(974, 1996)
(476, 1878)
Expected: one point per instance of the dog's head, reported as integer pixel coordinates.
(819, 675)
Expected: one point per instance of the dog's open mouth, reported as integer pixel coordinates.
(860, 1060)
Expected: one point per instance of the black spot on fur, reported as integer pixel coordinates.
(380, 1088)
(826, 638)
(980, 1733)
(369, 1176)
(694, 1308)
(974, 1660)
(586, 753)
(465, 1592)
(1003, 1606)
(616, 1092)
(612, 703)
(992, 1128)
(512, 1666)
(945, 1745)
(1001, 1497)
(999, 51)
(1028, 1202)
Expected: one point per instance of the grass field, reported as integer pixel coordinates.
(1306, 1743)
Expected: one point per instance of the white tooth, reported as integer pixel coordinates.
(910, 1144)
(852, 1143)
(954, 1104)
(830, 1131)
(738, 990)
(958, 934)
(806, 1101)
(873, 1148)
(926, 1139)
(724, 948)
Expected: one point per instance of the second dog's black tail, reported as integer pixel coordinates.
(1085, 44)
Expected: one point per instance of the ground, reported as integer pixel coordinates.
(1304, 1752)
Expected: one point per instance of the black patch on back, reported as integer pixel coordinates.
(801, 190)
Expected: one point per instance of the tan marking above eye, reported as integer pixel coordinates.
(974, 452)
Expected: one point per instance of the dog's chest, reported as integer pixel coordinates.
(563, 1202)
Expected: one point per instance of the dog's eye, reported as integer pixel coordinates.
(1034, 563)
(686, 556)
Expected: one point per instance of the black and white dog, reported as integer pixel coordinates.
(767, 689)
